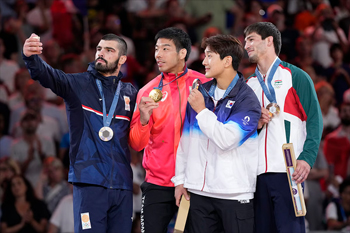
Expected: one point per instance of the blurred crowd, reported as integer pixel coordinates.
(34, 138)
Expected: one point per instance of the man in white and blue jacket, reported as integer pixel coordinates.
(217, 161)
(99, 108)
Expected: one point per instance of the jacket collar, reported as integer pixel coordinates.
(110, 80)
(171, 76)
(234, 90)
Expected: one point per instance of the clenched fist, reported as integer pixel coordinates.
(32, 46)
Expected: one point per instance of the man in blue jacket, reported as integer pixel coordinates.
(99, 108)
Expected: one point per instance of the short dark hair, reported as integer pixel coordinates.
(266, 29)
(180, 38)
(225, 45)
(122, 47)
(344, 184)
(335, 47)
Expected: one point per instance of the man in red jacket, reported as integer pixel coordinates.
(157, 126)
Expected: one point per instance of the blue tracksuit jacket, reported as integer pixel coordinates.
(92, 161)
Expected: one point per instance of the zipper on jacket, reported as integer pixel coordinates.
(178, 89)
(206, 162)
(263, 103)
(205, 171)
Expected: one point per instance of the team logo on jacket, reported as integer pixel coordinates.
(165, 95)
(246, 120)
(278, 83)
(127, 103)
(230, 103)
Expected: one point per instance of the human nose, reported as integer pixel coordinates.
(99, 53)
(205, 61)
(158, 53)
(246, 46)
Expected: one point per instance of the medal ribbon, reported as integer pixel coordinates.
(269, 91)
(107, 119)
(228, 90)
(160, 85)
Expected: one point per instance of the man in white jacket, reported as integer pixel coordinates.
(217, 156)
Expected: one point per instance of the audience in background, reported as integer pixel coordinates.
(21, 210)
(315, 37)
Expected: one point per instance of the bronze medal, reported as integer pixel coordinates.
(274, 109)
(156, 95)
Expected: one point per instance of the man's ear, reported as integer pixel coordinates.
(183, 53)
(270, 41)
(122, 59)
(227, 61)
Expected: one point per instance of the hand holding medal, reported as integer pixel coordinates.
(156, 95)
(274, 109)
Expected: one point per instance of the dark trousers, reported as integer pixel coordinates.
(274, 211)
(211, 215)
(158, 207)
(109, 210)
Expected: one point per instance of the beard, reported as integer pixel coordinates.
(253, 59)
(106, 68)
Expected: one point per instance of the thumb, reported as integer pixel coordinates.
(186, 195)
(33, 35)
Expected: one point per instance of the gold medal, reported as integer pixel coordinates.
(156, 95)
(105, 133)
(273, 108)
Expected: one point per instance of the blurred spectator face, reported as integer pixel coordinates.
(18, 187)
(21, 78)
(174, 9)
(249, 19)
(304, 46)
(345, 115)
(55, 171)
(325, 94)
(337, 55)
(311, 72)
(8, 168)
(345, 195)
(113, 24)
(5, 172)
(256, 8)
(29, 123)
(34, 95)
(211, 31)
(51, 50)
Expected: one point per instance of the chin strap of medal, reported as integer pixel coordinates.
(269, 91)
(157, 91)
(106, 133)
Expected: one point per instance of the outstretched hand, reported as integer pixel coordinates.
(32, 46)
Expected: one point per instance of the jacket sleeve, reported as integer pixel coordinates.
(139, 135)
(182, 151)
(55, 79)
(238, 127)
(304, 92)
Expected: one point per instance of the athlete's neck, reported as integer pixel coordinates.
(265, 64)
